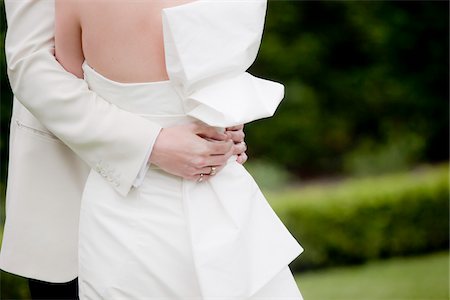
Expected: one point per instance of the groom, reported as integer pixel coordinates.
(59, 131)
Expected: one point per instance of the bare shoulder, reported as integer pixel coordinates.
(68, 46)
(68, 5)
(67, 11)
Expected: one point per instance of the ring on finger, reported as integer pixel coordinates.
(200, 179)
(213, 171)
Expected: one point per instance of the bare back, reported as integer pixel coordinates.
(122, 40)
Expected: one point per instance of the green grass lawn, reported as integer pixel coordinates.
(414, 278)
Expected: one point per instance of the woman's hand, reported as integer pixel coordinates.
(236, 133)
(193, 149)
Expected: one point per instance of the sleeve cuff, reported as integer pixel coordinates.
(144, 168)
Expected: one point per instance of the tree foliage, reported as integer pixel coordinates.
(366, 85)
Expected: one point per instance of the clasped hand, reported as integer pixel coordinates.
(193, 149)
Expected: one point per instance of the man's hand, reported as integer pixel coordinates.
(192, 149)
(236, 133)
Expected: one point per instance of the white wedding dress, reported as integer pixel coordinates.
(178, 239)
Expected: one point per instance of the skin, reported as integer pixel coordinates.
(124, 42)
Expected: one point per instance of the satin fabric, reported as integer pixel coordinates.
(177, 238)
(230, 242)
(209, 45)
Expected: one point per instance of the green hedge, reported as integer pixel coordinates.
(363, 219)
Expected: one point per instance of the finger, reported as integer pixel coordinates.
(218, 147)
(242, 158)
(205, 177)
(239, 148)
(208, 132)
(210, 170)
(209, 158)
(216, 160)
(200, 177)
(237, 127)
(237, 136)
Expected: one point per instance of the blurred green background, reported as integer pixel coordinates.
(355, 160)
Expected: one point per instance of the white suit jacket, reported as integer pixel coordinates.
(59, 129)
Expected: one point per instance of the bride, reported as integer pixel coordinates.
(177, 62)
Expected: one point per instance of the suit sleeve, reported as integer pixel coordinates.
(108, 139)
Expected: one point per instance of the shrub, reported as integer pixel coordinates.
(365, 219)
(268, 175)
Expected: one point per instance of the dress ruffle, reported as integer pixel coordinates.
(209, 45)
(239, 242)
